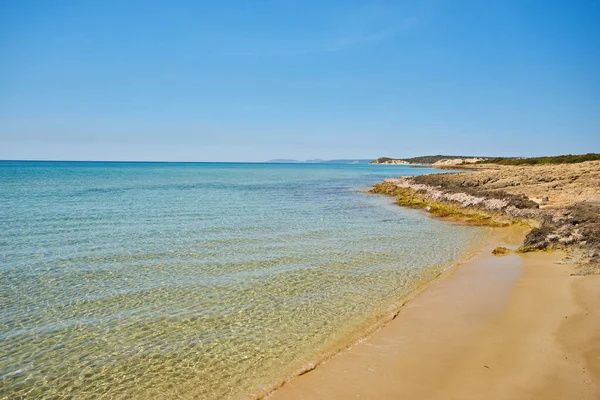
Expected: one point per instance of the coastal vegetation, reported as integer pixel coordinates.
(440, 159)
(564, 159)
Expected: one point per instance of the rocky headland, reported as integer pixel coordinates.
(560, 202)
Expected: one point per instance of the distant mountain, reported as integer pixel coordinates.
(319, 161)
(284, 161)
(348, 161)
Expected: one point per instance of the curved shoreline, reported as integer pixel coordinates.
(497, 327)
(542, 285)
(492, 239)
(394, 311)
(469, 203)
(384, 319)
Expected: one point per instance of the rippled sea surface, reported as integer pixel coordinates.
(207, 281)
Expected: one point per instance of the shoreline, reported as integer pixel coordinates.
(546, 236)
(393, 311)
(474, 330)
(561, 203)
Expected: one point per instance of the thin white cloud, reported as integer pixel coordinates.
(336, 45)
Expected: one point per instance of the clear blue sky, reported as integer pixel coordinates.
(255, 80)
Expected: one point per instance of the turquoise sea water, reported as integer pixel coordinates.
(208, 281)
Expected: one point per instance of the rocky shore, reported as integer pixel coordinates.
(561, 203)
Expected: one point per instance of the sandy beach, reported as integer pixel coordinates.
(513, 327)
(521, 326)
(300, 200)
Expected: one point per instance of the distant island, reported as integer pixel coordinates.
(319, 161)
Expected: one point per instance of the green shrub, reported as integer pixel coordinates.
(566, 159)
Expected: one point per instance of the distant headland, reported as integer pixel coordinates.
(431, 160)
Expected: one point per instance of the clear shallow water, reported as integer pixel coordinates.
(210, 281)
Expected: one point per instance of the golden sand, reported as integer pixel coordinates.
(512, 327)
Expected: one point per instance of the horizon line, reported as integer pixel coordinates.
(291, 161)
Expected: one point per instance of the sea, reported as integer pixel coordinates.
(199, 280)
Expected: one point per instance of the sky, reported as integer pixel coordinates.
(256, 80)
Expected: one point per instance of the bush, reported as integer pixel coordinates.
(567, 159)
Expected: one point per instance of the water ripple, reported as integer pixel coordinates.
(204, 281)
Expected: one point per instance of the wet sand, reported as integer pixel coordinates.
(512, 327)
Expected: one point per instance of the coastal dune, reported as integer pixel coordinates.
(514, 327)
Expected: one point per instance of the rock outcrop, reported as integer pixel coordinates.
(514, 195)
(458, 161)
